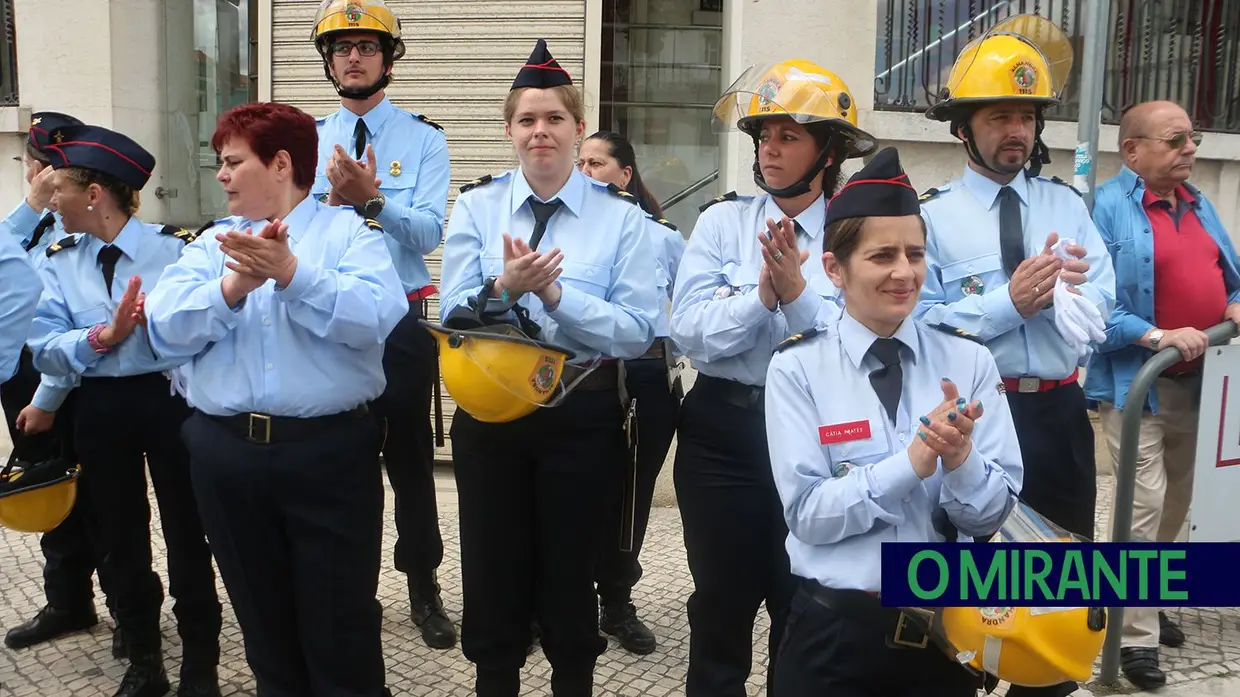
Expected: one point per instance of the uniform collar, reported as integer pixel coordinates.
(1134, 185)
(298, 219)
(986, 190)
(811, 219)
(857, 339)
(572, 194)
(128, 240)
(375, 118)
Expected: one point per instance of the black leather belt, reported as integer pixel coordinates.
(264, 429)
(909, 628)
(732, 392)
(605, 377)
(657, 350)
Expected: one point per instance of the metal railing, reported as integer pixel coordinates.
(689, 190)
(1126, 474)
(8, 55)
(1188, 52)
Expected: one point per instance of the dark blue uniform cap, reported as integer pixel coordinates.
(880, 189)
(44, 122)
(101, 150)
(541, 70)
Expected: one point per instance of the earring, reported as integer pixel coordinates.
(90, 208)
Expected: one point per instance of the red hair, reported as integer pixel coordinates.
(268, 128)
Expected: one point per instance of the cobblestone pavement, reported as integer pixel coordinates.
(82, 664)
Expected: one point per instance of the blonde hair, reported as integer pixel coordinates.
(126, 197)
(569, 97)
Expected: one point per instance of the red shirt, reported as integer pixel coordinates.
(1188, 279)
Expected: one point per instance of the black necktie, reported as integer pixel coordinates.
(887, 380)
(44, 225)
(108, 256)
(542, 213)
(359, 139)
(1011, 231)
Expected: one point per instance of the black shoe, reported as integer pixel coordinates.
(199, 683)
(120, 647)
(1169, 633)
(1141, 668)
(535, 635)
(49, 624)
(145, 678)
(621, 622)
(426, 610)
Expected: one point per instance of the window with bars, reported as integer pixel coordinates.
(8, 56)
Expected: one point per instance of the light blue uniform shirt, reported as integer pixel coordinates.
(717, 318)
(75, 299)
(311, 349)
(412, 161)
(21, 224)
(19, 294)
(610, 302)
(841, 500)
(966, 286)
(669, 247)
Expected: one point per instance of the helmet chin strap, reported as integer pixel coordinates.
(1041, 154)
(363, 92)
(802, 186)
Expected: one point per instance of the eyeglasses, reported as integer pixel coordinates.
(364, 48)
(1176, 141)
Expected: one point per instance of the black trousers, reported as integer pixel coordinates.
(824, 653)
(409, 362)
(71, 551)
(119, 423)
(296, 528)
(658, 410)
(1057, 446)
(530, 494)
(734, 536)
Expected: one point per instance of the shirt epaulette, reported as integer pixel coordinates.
(666, 223)
(929, 194)
(179, 232)
(797, 338)
(428, 122)
(480, 181)
(1057, 180)
(66, 243)
(730, 196)
(957, 332)
(205, 226)
(622, 194)
(374, 224)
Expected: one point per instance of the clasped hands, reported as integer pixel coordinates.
(1032, 285)
(945, 433)
(353, 182)
(528, 271)
(256, 258)
(780, 280)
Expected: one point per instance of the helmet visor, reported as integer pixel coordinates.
(1042, 35)
(773, 90)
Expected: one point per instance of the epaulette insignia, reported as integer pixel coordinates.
(179, 232)
(480, 181)
(1061, 182)
(622, 193)
(958, 332)
(928, 195)
(374, 224)
(428, 122)
(730, 196)
(796, 339)
(66, 243)
(666, 223)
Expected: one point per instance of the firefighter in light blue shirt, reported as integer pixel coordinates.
(881, 429)
(392, 166)
(745, 284)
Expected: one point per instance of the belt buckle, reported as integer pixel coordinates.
(259, 424)
(898, 639)
(1029, 385)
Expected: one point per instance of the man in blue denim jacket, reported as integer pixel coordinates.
(1175, 275)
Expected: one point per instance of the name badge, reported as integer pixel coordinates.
(845, 432)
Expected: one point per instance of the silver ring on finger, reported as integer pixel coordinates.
(778, 255)
(1037, 290)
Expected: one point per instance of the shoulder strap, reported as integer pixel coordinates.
(957, 332)
(730, 196)
(41, 229)
(797, 338)
(665, 223)
(179, 232)
(480, 181)
(622, 194)
(1061, 182)
(428, 122)
(67, 243)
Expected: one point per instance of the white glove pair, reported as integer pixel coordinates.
(1076, 318)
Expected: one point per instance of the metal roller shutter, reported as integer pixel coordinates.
(461, 58)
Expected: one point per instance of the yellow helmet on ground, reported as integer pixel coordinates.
(797, 89)
(37, 498)
(1023, 58)
(1032, 647)
(496, 373)
(336, 16)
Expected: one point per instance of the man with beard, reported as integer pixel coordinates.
(392, 166)
(993, 267)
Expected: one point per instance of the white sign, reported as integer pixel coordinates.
(1216, 480)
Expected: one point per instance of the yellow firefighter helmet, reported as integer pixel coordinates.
(496, 373)
(37, 498)
(1033, 647)
(1023, 58)
(356, 15)
(798, 89)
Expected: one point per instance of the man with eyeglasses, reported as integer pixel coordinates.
(392, 166)
(1176, 273)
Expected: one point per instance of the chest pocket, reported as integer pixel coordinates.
(90, 316)
(972, 276)
(855, 453)
(739, 277)
(394, 185)
(594, 279)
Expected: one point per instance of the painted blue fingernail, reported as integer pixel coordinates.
(961, 408)
(921, 434)
(951, 416)
(946, 379)
(925, 421)
(979, 404)
(960, 400)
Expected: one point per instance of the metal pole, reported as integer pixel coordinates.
(1097, 18)
(1126, 476)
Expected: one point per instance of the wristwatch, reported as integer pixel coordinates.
(373, 207)
(1155, 337)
